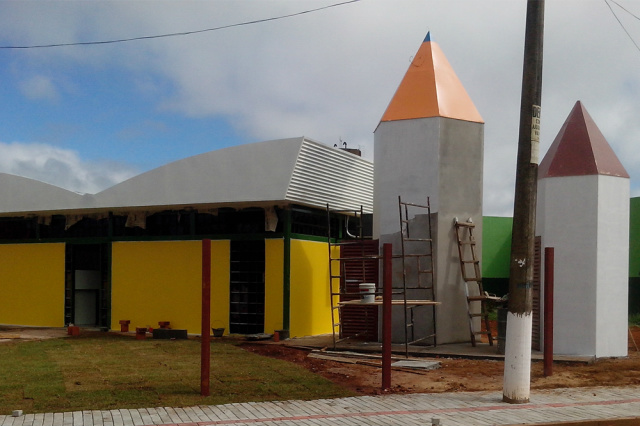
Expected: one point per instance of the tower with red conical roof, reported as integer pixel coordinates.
(583, 212)
(429, 143)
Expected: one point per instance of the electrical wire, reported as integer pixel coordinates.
(620, 22)
(623, 8)
(185, 33)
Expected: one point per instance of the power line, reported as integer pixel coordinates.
(185, 33)
(620, 22)
(623, 8)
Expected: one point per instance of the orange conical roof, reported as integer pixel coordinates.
(580, 149)
(430, 88)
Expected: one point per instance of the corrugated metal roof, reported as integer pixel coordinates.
(324, 175)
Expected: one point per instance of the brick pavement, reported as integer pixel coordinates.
(452, 409)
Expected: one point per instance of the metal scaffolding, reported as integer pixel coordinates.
(353, 260)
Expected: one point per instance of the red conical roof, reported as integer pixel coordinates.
(430, 88)
(580, 149)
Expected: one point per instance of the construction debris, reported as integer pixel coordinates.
(411, 365)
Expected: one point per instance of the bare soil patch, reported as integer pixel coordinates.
(8, 333)
(462, 374)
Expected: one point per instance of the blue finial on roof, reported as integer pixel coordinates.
(428, 37)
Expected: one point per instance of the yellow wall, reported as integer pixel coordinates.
(32, 284)
(162, 281)
(274, 279)
(310, 305)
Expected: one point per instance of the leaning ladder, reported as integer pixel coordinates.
(470, 266)
(419, 251)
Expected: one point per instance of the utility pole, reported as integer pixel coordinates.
(517, 360)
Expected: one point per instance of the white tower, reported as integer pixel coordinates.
(583, 212)
(429, 143)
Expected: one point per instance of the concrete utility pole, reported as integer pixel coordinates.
(517, 360)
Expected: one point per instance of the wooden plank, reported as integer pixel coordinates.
(393, 302)
(466, 224)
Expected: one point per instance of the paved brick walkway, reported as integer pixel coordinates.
(453, 409)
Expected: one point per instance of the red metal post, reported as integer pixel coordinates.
(548, 310)
(205, 341)
(387, 281)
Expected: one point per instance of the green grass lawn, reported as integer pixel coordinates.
(111, 371)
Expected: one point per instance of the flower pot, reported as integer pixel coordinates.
(283, 334)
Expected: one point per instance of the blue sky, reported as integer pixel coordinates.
(87, 117)
(99, 116)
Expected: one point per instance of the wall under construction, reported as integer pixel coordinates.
(454, 186)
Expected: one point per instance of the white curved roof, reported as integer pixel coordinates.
(253, 172)
(296, 170)
(20, 194)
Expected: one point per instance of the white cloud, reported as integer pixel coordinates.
(39, 87)
(331, 74)
(60, 167)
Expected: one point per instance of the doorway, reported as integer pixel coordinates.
(87, 285)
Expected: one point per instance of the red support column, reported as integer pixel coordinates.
(387, 284)
(549, 255)
(205, 345)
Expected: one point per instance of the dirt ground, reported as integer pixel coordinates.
(462, 374)
(8, 334)
(453, 375)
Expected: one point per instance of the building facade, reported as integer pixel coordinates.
(133, 251)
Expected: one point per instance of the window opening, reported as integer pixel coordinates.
(247, 287)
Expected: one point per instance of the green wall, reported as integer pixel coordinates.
(496, 243)
(496, 246)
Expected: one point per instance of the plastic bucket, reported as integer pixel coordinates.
(368, 292)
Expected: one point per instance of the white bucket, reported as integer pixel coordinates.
(368, 292)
